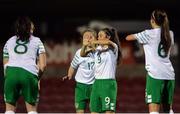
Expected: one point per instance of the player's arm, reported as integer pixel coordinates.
(83, 52)
(104, 42)
(142, 37)
(74, 66)
(130, 37)
(41, 64)
(5, 57)
(86, 48)
(172, 42)
(5, 61)
(71, 72)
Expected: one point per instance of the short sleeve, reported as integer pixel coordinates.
(143, 37)
(116, 49)
(5, 52)
(41, 48)
(76, 60)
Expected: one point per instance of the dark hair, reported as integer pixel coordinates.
(22, 28)
(112, 33)
(161, 19)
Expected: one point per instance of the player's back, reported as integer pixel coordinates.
(23, 53)
(157, 62)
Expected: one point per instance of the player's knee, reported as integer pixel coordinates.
(9, 112)
(32, 112)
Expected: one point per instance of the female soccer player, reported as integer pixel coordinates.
(104, 90)
(20, 55)
(85, 72)
(157, 43)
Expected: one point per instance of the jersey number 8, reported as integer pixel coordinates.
(21, 47)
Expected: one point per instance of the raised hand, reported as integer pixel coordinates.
(85, 42)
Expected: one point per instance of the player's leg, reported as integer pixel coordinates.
(167, 98)
(154, 88)
(171, 110)
(80, 97)
(30, 90)
(154, 108)
(11, 90)
(79, 111)
(88, 94)
(95, 103)
(10, 109)
(167, 108)
(31, 109)
(108, 96)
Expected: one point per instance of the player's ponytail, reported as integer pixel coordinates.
(114, 38)
(23, 28)
(161, 19)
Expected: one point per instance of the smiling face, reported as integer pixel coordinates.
(102, 35)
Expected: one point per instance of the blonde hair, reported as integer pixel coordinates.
(90, 30)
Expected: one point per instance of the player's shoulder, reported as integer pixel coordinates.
(34, 38)
(78, 51)
(115, 44)
(149, 31)
(12, 38)
(172, 36)
(152, 32)
(171, 32)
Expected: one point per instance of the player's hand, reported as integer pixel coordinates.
(66, 77)
(90, 49)
(85, 42)
(94, 42)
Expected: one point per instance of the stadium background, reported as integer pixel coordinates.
(59, 23)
